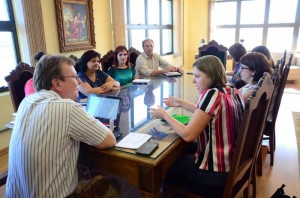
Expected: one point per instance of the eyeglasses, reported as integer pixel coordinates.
(74, 77)
(242, 68)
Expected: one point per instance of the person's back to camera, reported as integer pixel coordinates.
(49, 126)
(265, 51)
(236, 51)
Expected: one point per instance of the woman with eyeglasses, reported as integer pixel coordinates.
(253, 66)
(94, 80)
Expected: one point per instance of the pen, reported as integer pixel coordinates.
(119, 136)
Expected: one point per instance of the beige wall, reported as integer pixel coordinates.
(102, 21)
(195, 28)
(6, 109)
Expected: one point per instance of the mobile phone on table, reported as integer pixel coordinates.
(147, 148)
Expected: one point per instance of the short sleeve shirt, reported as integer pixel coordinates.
(100, 80)
(216, 143)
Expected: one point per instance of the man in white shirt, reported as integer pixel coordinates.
(148, 62)
(48, 129)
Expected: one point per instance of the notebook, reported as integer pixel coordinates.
(104, 108)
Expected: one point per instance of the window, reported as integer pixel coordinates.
(274, 23)
(150, 19)
(9, 51)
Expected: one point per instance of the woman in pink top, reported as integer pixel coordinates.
(29, 88)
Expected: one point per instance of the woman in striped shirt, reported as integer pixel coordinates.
(214, 126)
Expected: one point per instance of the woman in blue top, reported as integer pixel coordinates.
(94, 81)
(236, 51)
(122, 70)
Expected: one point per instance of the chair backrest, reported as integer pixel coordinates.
(249, 137)
(213, 48)
(278, 92)
(107, 60)
(276, 82)
(133, 53)
(282, 62)
(76, 66)
(16, 81)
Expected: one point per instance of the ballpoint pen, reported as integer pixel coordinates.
(119, 136)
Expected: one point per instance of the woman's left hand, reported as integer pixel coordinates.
(107, 86)
(157, 113)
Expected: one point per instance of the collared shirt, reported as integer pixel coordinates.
(216, 143)
(146, 65)
(44, 145)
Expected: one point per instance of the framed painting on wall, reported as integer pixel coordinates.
(75, 24)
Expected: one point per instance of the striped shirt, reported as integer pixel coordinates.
(44, 145)
(216, 143)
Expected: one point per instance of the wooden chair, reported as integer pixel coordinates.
(269, 131)
(133, 53)
(282, 62)
(213, 48)
(242, 174)
(16, 81)
(76, 66)
(107, 60)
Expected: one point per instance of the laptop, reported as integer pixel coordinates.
(104, 108)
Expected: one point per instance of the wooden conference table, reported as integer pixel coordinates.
(146, 173)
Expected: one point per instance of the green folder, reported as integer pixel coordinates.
(181, 118)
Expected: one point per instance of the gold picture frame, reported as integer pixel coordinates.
(75, 24)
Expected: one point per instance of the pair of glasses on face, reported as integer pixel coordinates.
(73, 77)
(244, 67)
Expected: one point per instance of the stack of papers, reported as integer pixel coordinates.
(141, 81)
(133, 140)
(173, 74)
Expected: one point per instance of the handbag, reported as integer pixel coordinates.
(280, 193)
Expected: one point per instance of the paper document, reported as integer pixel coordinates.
(133, 140)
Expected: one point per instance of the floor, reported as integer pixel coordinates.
(286, 168)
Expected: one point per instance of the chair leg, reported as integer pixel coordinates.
(253, 182)
(272, 147)
(258, 164)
